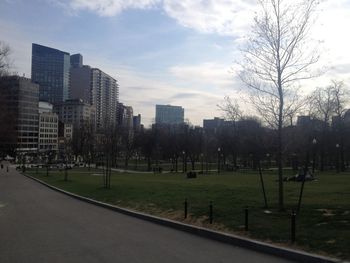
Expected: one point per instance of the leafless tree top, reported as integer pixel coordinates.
(278, 56)
(4, 58)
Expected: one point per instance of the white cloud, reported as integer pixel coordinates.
(108, 7)
(212, 16)
(209, 74)
(209, 16)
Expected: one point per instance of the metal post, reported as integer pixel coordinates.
(246, 219)
(313, 160)
(183, 161)
(185, 206)
(211, 212)
(293, 226)
(219, 161)
(202, 163)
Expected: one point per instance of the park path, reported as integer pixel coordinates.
(38, 224)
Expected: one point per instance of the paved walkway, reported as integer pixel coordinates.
(38, 224)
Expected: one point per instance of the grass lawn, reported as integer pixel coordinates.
(323, 224)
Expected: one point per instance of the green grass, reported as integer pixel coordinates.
(323, 224)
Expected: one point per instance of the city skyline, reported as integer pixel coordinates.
(160, 52)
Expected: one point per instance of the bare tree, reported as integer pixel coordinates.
(322, 104)
(341, 98)
(341, 101)
(4, 58)
(230, 108)
(277, 57)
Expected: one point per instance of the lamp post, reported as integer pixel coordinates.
(183, 165)
(175, 161)
(136, 157)
(23, 163)
(314, 142)
(202, 163)
(337, 146)
(219, 150)
(268, 160)
(47, 164)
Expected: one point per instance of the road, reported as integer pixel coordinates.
(38, 224)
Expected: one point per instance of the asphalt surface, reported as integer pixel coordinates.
(38, 224)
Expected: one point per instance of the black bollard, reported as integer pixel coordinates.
(293, 215)
(7, 169)
(185, 207)
(211, 212)
(246, 219)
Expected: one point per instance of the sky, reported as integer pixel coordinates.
(164, 51)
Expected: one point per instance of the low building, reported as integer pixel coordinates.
(76, 112)
(19, 99)
(168, 114)
(65, 136)
(48, 128)
(212, 125)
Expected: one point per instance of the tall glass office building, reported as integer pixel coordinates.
(50, 69)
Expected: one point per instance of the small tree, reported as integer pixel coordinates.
(4, 58)
(275, 59)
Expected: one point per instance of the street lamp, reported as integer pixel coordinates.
(47, 164)
(314, 142)
(136, 157)
(268, 160)
(337, 147)
(183, 165)
(23, 163)
(175, 162)
(202, 162)
(219, 150)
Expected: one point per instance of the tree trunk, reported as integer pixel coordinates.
(280, 145)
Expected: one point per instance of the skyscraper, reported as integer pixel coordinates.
(167, 114)
(95, 87)
(50, 69)
(105, 93)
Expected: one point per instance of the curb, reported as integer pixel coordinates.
(287, 253)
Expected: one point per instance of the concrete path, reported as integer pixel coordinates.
(38, 224)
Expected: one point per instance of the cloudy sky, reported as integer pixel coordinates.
(179, 52)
